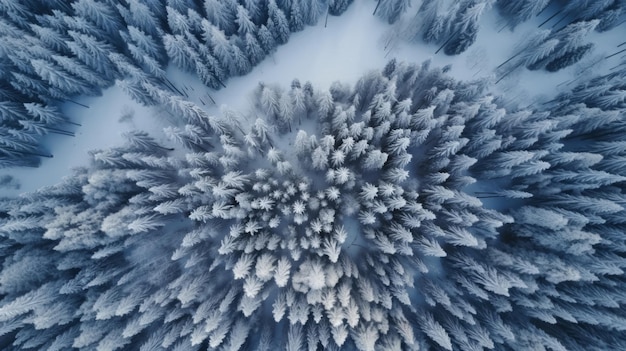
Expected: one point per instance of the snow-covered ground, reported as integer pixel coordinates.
(343, 50)
(357, 42)
(102, 125)
(347, 47)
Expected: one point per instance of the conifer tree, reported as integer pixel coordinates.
(391, 10)
(337, 7)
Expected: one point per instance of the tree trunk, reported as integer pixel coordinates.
(559, 21)
(377, 5)
(507, 73)
(512, 57)
(617, 53)
(549, 18)
(77, 103)
(447, 41)
(326, 21)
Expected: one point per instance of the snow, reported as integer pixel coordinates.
(357, 42)
(495, 45)
(347, 47)
(102, 125)
(355, 242)
(344, 50)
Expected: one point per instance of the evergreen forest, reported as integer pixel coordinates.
(409, 210)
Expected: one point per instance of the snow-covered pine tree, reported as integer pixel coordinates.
(520, 11)
(465, 28)
(59, 78)
(570, 41)
(337, 7)
(390, 10)
(278, 23)
(222, 14)
(142, 16)
(102, 14)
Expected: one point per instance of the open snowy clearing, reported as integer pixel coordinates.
(102, 125)
(344, 49)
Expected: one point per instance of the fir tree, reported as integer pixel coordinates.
(569, 58)
(391, 10)
(337, 7)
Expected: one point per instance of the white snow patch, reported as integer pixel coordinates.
(102, 125)
(344, 50)
(495, 45)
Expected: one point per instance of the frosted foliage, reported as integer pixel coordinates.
(57, 51)
(406, 211)
(370, 238)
